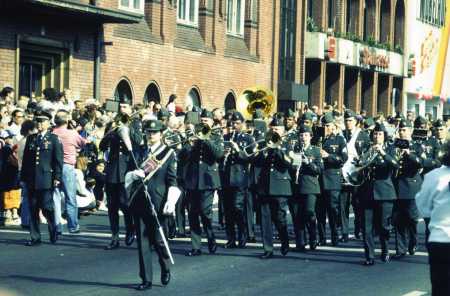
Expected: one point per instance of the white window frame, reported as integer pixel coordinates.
(131, 7)
(187, 9)
(234, 30)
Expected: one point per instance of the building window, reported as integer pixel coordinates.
(235, 17)
(432, 12)
(287, 40)
(188, 12)
(123, 92)
(132, 5)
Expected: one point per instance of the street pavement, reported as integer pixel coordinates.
(78, 265)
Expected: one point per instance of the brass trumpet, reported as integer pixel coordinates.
(201, 132)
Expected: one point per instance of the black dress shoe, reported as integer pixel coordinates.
(357, 235)
(322, 242)
(301, 249)
(129, 238)
(230, 245)
(114, 244)
(165, 278)
(242, 243)
(193, 252)
(369, 262)
(144, 286)
(284, 250)
(344, 238)
(412, 250)
(334, 242)
(252, 240)
(385, 258)
(53, 237)
(266, 255)
(212, 247)
(32, 243)
(398, 256)
(313, 245)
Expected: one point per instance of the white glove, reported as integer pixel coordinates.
(172, 197)
(137, 174)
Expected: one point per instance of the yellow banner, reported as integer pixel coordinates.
(440, 67)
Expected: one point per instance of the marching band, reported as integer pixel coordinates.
(260, 167)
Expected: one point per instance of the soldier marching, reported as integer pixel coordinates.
(262, 166)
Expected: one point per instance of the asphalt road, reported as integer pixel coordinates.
(78, 265)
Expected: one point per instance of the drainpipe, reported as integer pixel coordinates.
(97, 61)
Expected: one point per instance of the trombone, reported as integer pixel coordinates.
(201, 132)
(273, 140)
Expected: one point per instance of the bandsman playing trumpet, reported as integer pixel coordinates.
(200, 156)
(274, 185)
(236, 181)
(408, 183)
(334, 155)
(308, 166)
(430, 146)
(378, 195)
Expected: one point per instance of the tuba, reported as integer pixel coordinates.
(254, 98)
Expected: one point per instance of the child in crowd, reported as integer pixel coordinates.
(99, 176)
(9, 176)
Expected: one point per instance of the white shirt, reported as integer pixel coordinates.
(84, 196)
(433, 201)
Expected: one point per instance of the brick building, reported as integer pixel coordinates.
(354, 53)
(204, 51)
(53, 44)
(208, 51)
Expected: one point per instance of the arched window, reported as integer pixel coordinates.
(193, 99)
(385, 21)
(152, 94)
(399, 28)
(230, 102)
(123, 92)
(369, 19)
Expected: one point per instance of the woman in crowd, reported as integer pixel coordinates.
(85, 196)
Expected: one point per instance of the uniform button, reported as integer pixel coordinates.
(37, 162)
(271, 170)
(200, 161)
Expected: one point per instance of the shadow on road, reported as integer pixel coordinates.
(71, 282)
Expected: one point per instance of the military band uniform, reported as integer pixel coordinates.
(252, 209)
(378, 195)
(202, 179)
(147, 233)
(329, 203)
(430, 155)
(118, 163)
(408, 183)
(235, 187)
(41, 167)
(307, 188)
(274, 189)
(352, 194)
